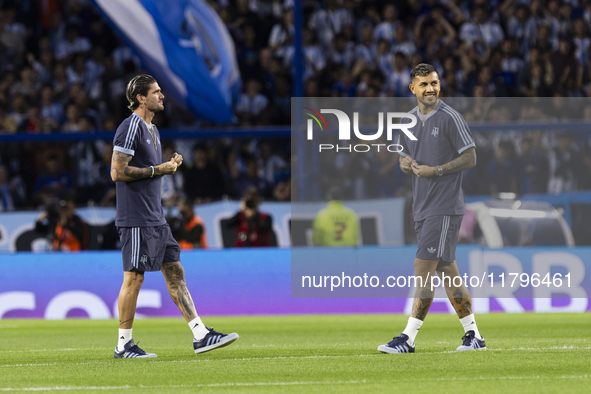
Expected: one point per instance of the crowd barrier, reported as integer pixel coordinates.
(259, 282)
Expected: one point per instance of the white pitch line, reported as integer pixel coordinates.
(238, 384)
(52, 350)
(151, 361)
(251, 384)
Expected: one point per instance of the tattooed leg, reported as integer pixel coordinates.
(424, 269)
(458, 295)
(127, 301)
(422, 303)
(177, 288)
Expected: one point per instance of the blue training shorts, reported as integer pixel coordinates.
(147, 248)
(437, 237)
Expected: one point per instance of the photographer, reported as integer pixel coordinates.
(253, 228)
(66, 231)
(188, 229)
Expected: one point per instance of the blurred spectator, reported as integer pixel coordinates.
(12, 192)
(365, 50)
(282, 34)
(16, 121)
(247, 53)
(105, 187)
(250, 178)
(335, 225)
(27, 86)
(54, 183)
(581, 40)
(203, 182)
(13, 32)
(87, 165)
(71, 43)
(504, 170)
(387, 28)
(110, 237)
(72, 124)
(269, 163)
(342, 52)
(34, 120)
(403, 43)
(314, 57)
(519, 25)
(65, 230)
(49, 108)
(481, 32)
(188, 228)
(565, 166)
(253, 228)
(282, 192)
(83, 103)
(566, 68)
(535, 164)
(172, 185)
(330, 21)
(469, 229)
(585, 178)
(43, 66)
(251, 103)
(282, 101)
(400, 76)
(386, 175)
(384, 58)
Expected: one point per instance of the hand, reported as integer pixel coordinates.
(167, 168)
(423, 171)
(178, 159)
(406, 163)
(42, 216)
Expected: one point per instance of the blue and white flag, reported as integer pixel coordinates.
(185, 45)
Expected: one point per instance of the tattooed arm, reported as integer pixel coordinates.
(121, 171)
(466, 160)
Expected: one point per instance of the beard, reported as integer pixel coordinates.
(155, 107)
(429, 101)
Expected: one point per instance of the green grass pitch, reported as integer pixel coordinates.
(527, 353)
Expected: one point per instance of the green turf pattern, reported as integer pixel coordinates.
(527, 353)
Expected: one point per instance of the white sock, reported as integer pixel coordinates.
(198, 328)
(412, 329)
(469, 324)
(124, 337)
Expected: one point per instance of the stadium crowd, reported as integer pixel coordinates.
(64, 70)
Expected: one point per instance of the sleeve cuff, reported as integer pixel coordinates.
(472, 145)
(401, 153)
(123, 150)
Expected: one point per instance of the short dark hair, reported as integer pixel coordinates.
(422, 70)
(140, 84)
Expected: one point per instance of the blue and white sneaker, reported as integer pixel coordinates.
(213, 340)
(471, 342)
(397, 345)
(131, 350)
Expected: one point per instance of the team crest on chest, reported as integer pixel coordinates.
(148, 141)
(435, 131)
